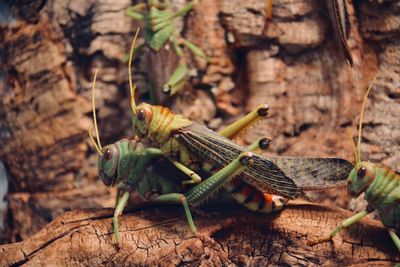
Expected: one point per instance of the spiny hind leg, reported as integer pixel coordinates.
(201, 191)
(395, 238)
(246, 121)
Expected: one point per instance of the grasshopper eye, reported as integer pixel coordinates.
(107, 154)
(141, 115)
(361, 172)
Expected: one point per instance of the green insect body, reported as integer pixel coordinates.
(381, 187)
(160, 29)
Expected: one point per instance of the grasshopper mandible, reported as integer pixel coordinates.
(380, 185)
(187, 144)
(159, 28)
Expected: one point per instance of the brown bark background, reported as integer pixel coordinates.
(49, 50)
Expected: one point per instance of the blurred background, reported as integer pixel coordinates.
(292, 61)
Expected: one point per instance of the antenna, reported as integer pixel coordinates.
(358, 157)
(132, 87)
(98, 144)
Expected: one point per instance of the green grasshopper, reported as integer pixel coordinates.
(159, 28)
(381, 187)
(188, 144)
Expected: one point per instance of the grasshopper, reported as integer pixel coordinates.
(188, 144)
(380, 185)
(127, 164)
(159, 28)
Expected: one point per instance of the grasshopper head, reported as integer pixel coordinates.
(108, 164)
(142, 119)
(362, 175)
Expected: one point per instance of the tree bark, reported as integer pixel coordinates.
(233, 237)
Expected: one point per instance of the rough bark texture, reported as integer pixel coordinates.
(235, 237)
(49, 50)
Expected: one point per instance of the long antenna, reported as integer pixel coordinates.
(353, 145)
(98, 145)
(361, 120)
(131, 86)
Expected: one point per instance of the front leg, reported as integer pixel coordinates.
(347, 222)
(117, 212)
(344, 224)
(194, 177)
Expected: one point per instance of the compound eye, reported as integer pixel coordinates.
(107, 154)
(361, 172)
(141, 114)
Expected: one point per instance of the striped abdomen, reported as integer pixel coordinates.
(254, 199)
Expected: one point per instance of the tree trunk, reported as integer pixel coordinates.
(49, 51)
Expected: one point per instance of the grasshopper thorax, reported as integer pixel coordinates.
(362, 175)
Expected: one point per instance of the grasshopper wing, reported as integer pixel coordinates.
(314, 173)
(211, 146)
